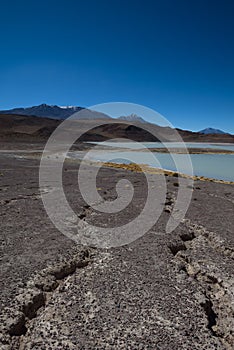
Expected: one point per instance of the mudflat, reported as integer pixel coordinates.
(162, 291)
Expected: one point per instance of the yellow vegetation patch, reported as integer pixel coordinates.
(139, 168)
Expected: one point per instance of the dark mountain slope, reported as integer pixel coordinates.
(38, 128)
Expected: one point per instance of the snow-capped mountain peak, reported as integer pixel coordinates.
(133, 118)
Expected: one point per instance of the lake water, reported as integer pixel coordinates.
(217, 166)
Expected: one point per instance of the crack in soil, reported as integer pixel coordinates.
(217, 294)
(214, 240)
(14, 199)
(36, 294)
(211, 315)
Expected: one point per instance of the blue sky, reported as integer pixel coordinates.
(175, 56)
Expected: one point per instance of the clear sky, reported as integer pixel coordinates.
(175, 56)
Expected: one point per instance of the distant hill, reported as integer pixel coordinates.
(56, 112)
(64, 112)
(38, 122)
(36, 129)
(209, 131)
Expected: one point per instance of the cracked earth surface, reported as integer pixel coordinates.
(162, 291)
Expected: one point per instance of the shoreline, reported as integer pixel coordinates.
(130, 167)
(173, 150)
(158, 171)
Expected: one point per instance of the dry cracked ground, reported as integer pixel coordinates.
(161, 291)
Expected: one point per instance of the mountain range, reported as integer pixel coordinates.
(55, 112)
(38, 122)
(64, 112)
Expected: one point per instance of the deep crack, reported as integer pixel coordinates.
(36, 295)
(211, 315)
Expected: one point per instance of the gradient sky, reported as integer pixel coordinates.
(175, 56)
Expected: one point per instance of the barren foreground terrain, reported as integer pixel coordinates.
(163, 291)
